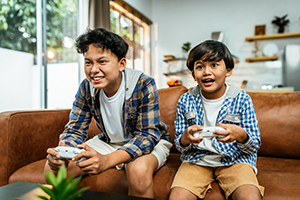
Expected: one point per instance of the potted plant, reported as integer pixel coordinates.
(62, 188)
(185, 48)
(281, 22)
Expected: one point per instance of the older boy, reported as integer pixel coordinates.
(124, 104)
(231, 161)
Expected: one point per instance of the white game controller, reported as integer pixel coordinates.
(68, 152)
(208, 132)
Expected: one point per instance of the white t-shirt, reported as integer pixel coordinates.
(112, 113)
(211, 109)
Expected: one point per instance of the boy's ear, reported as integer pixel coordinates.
(229, 72)
(122, 64)
(193, 75)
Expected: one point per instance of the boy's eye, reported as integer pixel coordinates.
(214, 65)
(199, 67)
(102, 61)
(87, 63)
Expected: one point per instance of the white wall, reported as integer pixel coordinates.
(19, 80)
(179, 21)
(21, 86)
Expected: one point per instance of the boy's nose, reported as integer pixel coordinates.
(207, 70)
(95, 68)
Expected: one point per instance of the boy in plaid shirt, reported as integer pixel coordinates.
(124, 104)
(231, 160)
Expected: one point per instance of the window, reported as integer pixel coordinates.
(23, 81)
(134, 28)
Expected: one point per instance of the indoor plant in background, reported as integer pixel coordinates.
(281, 22)
(61, 188)
(185, 48)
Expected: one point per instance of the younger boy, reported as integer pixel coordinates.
(124, 104)
(231, 161)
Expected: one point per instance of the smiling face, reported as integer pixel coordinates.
(103, 69)
(210, 76)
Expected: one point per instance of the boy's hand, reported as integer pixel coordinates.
(56, 163)
(233, 132)
(94, 163)
(187, 136)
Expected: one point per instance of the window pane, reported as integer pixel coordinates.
(19, 77)
(18, 70)
(137, 35)
(62, 68)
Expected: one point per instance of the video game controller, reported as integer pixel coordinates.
(68, 152)
(209, 132)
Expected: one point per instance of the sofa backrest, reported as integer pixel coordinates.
(168, 98)
(278, 116)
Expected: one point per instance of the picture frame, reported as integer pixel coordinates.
(260, 30)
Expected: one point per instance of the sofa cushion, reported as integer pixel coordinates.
(278, 119)
(280, 177)
(168, 98)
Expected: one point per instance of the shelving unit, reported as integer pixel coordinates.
(261, 58)
(173, 59)
(267, 37)
(183, 72)
(273, 36)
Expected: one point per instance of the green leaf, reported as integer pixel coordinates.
(43, 197)
(48, 191)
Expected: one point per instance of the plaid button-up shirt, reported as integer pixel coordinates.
(238, 109)
(142, 123)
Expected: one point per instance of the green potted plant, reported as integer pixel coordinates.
(62, 188)
(185, 48)
(281, 22)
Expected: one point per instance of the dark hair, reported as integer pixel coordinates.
(210, 50)
(103, 39)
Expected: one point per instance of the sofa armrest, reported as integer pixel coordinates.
(25, 137)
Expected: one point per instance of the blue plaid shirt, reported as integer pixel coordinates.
(142, 123)
(238, 109)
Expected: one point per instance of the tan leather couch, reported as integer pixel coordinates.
(25, 136)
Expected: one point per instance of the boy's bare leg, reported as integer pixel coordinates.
(140, 176)
(178, 193)
(246, 192)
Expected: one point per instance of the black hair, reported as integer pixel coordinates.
(103, 39)
(210, 50)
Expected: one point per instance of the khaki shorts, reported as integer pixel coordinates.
(161, 151)
(197, 179)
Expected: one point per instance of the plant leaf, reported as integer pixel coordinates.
(43, 197)
(48, 191)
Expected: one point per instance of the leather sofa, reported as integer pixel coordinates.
(25, 136)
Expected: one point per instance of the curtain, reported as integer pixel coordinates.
(99, 14)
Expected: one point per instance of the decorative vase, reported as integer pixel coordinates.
(281, 29)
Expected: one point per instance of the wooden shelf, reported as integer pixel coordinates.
(261, 58)
(174, 59)
(180, 73)
(274, 36)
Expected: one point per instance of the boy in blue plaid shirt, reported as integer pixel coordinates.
(231, 160)
(124, 104)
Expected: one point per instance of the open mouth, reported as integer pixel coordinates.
(97, 78)
(207, 81)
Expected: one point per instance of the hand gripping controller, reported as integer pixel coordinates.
(68, 152)
(209, 132)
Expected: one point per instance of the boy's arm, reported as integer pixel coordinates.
(181, 126)
(148, 126)
(247, 134)
(250, 124)
(80, 117)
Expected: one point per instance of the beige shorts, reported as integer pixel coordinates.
(197, 179)
(161, 151)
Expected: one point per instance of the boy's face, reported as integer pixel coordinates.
(103, 69)
(210, 76)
